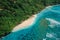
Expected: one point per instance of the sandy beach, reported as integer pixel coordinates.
(25, 23)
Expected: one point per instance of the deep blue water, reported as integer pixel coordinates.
(45, 27)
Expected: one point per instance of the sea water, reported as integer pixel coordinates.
(45, 27)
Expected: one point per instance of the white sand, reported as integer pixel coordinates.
(24, 24)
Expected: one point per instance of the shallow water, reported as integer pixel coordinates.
(45, 27)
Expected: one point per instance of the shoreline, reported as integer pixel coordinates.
(24, 24)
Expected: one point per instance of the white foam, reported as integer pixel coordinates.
(53, 22)
(49, 35)
(44, 38)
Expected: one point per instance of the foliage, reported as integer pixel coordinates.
(13, 12)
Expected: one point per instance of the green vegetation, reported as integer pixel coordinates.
(13, 12)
